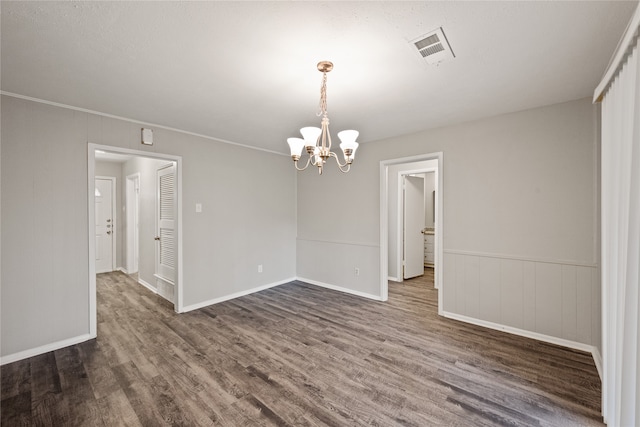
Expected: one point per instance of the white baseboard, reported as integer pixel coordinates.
(123, 270)
(340, 289)
(597, 358)
(393, 279)
(235, 295)
(44, 349)
(522, 332)
(147, 285)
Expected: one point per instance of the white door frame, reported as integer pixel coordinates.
(132, 203)
(114, 219)
(384, 222)
(91, 164)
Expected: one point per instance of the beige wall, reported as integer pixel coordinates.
(248, 199)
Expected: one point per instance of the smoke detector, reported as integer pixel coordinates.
(434, 47)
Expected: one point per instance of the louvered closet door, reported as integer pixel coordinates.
(166, 213)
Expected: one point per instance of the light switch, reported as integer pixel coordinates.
(198, 207)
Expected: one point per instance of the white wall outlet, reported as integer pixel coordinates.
(356, 271)
(259, 268)
(198, 207)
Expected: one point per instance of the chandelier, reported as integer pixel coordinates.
(317, 141)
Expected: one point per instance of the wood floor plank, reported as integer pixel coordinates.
(298, 355)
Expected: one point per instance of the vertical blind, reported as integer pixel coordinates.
(620, 208)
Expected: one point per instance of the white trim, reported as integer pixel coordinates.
(126, 119)
(235, 295)
(147, 285)
(620, 54)
(340, 289)
(384, 232)
(384, 222)
(393, 279)
(522, 258)
(341, 242)
(521, 332)
(45, 348)
(597, 358)
(123, 270)
(91, 223)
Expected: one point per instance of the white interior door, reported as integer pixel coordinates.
(165, 233)
(104, 225)
(414, 219)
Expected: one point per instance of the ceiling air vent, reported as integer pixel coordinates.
(434, 47)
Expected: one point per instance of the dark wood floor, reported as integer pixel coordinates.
(297, 355)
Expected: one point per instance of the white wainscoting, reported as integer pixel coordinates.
(558, 299)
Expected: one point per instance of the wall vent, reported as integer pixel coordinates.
(434, 47)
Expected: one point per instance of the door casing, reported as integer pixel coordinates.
(91, 161)
(384, 220)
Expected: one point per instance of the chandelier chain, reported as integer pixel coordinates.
(322, 106)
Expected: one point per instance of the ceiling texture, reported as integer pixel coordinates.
(246, 72)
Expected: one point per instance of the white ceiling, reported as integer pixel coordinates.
(246, 71)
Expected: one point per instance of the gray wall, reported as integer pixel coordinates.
(520, 202)
(248, 218)
(520, 221)
(114, 169)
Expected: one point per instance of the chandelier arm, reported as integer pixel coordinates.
(345, 170)
(340, 165)
(295, 163)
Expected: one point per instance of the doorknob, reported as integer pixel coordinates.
(156, 238)
(108, 232)
(108, 220)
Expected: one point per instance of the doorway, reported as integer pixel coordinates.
(391, 211)
(136, 240)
